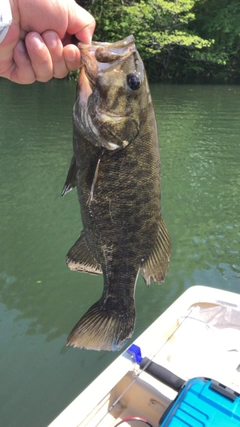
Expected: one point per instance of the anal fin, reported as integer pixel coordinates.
(79, 257)
(156, 265)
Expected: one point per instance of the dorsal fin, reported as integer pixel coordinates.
(79, 257)
(71, 180)
(156, 265)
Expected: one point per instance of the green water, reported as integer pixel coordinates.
(40, 299)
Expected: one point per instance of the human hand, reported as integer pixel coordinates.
(38, 43)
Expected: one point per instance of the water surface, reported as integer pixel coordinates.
(40, 299)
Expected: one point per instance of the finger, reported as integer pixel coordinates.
(40, 57)
(55, 48)
(22, 72)
(72, 57)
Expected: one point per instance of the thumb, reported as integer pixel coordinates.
(80, 22)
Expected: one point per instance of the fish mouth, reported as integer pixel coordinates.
(101, 56)
(108, 52)
(106, 119)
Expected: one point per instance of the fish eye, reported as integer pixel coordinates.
(133, 81)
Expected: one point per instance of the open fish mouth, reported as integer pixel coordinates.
(104, 92)
(100, 56)
(109, 86)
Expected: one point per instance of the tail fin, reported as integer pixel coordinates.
(101, 329)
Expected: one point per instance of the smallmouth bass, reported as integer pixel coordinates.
(116, 169)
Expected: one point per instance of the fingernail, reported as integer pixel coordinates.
(21, 47)
(50, 39)
(35, 40)
(71, 55)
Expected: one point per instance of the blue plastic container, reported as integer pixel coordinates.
(203, 403)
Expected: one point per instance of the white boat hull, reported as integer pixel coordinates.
(180, 340)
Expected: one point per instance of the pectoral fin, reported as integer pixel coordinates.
(79, 258)
(90, 199)
(156, 266)
(71, 180)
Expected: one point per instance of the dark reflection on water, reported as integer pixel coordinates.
(40, 299)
